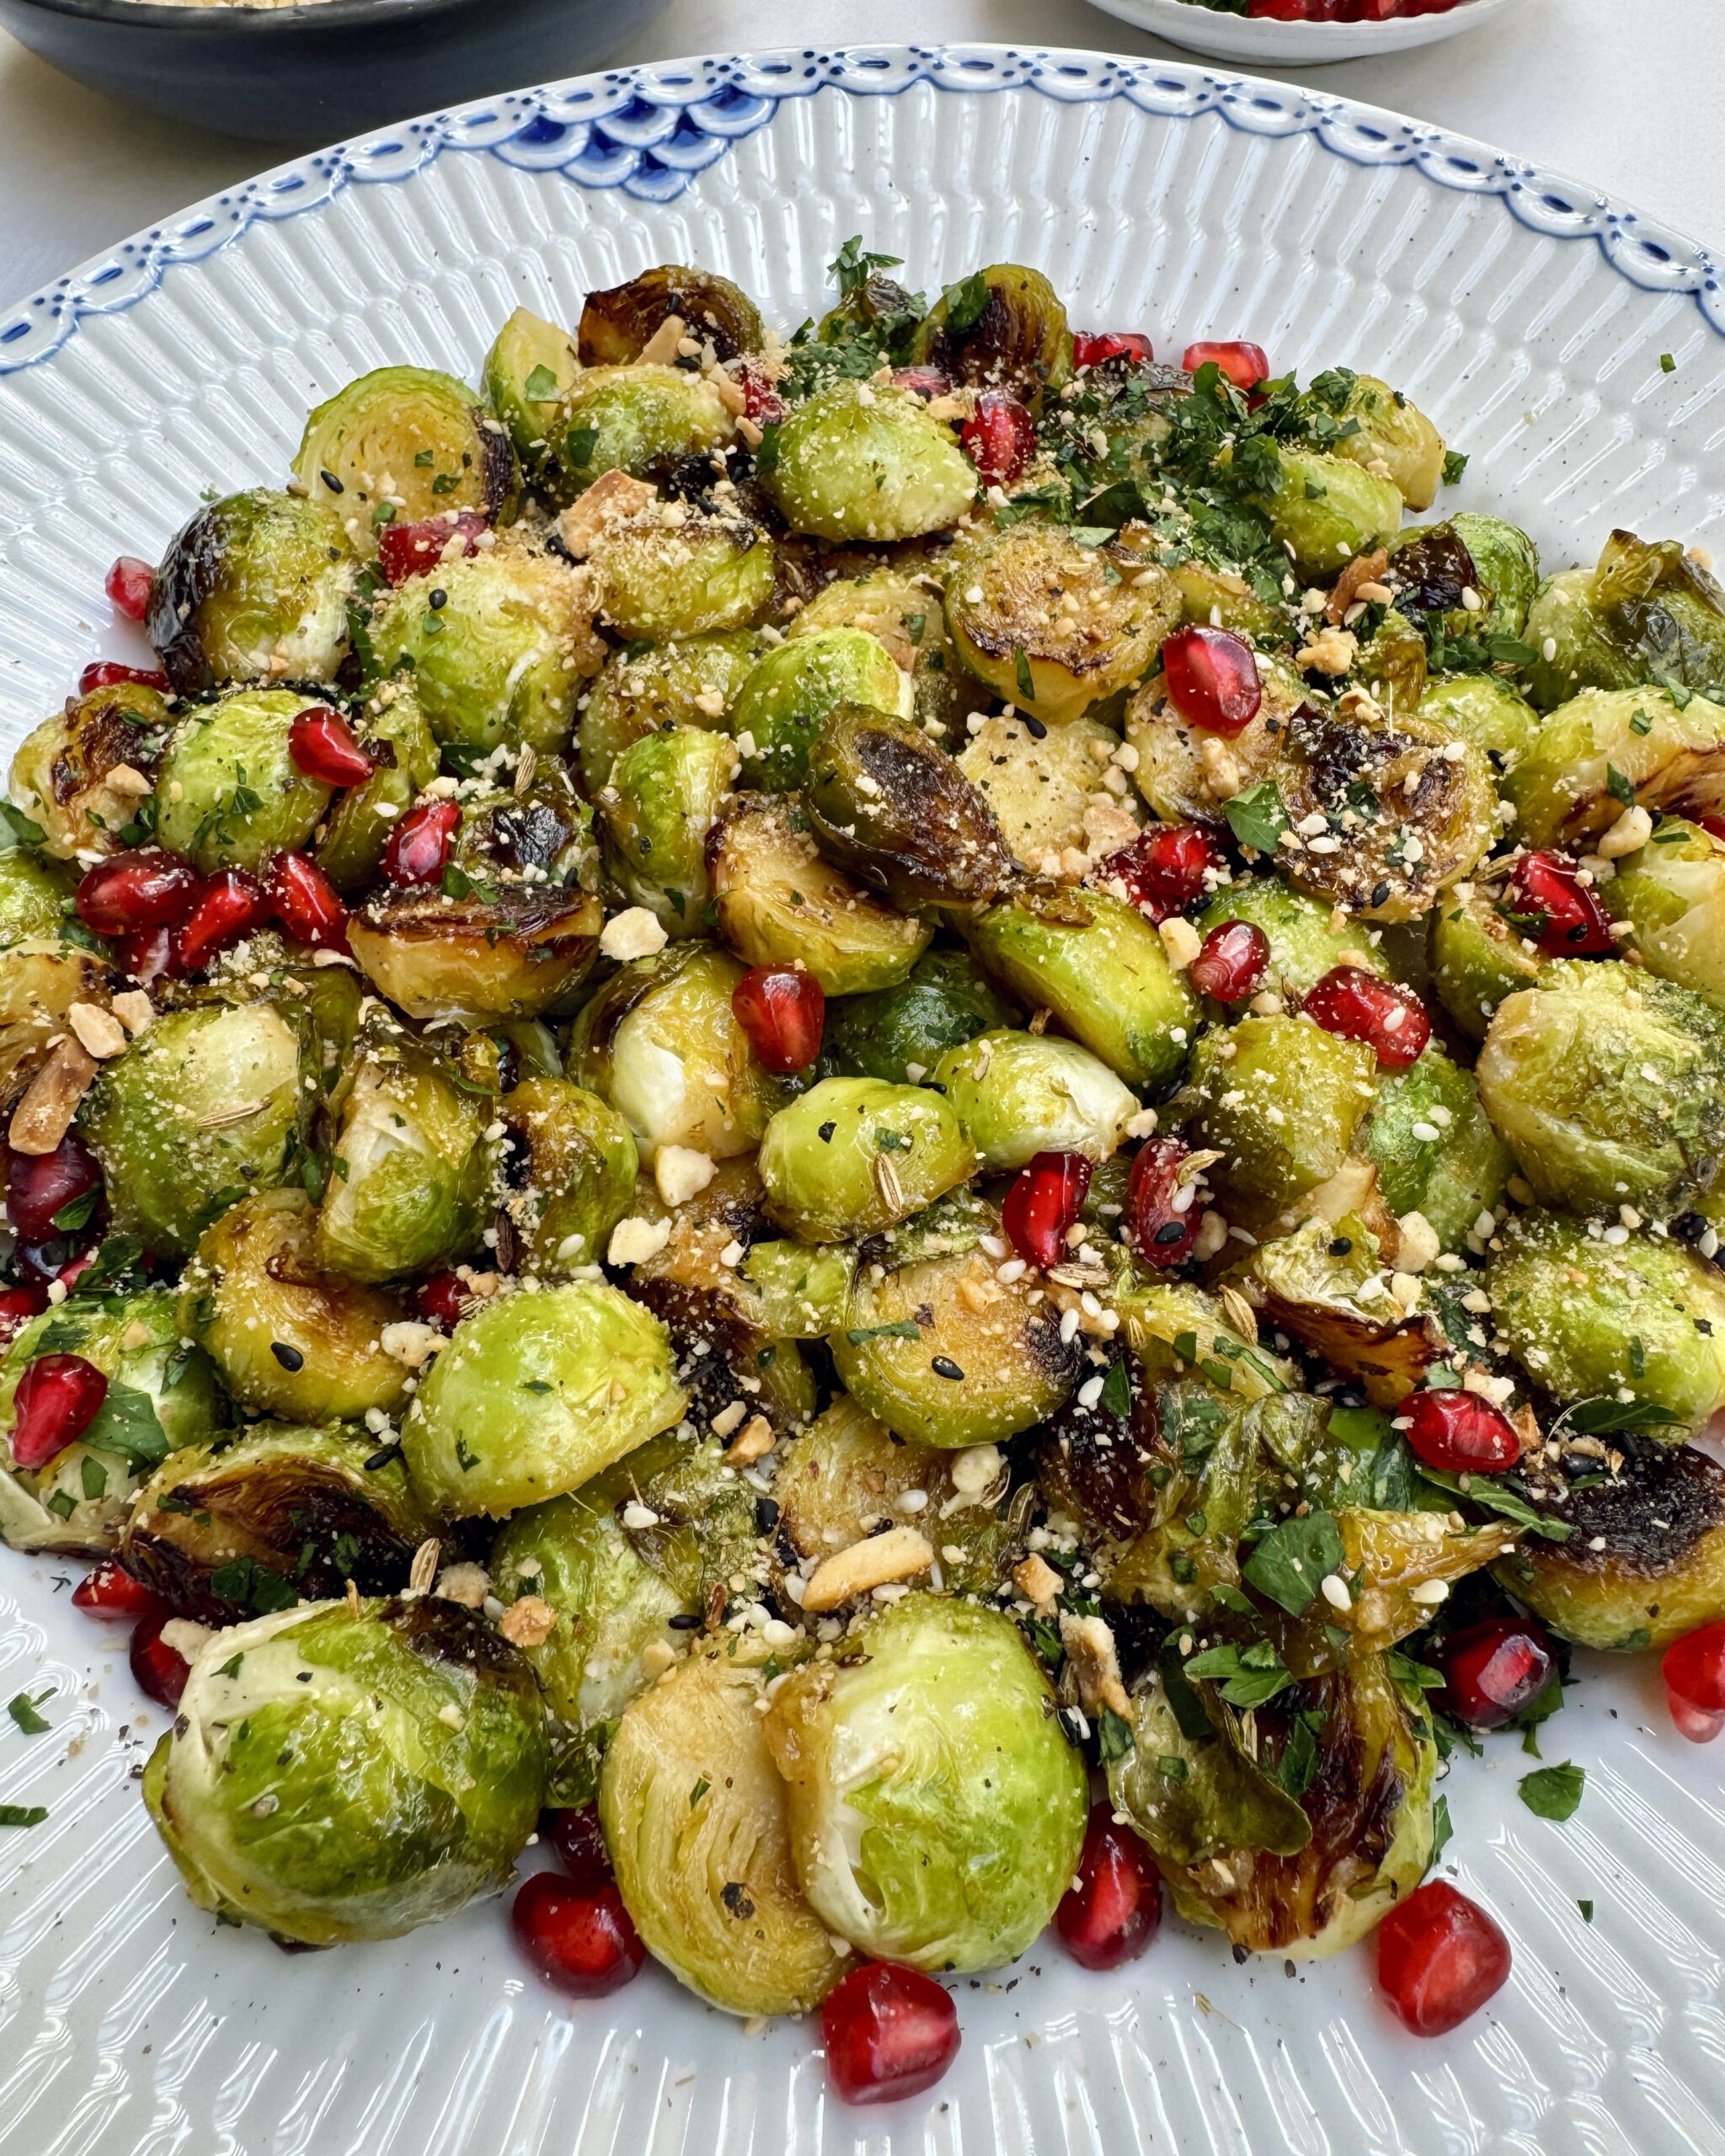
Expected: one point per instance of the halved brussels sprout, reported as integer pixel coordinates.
(672, 571)
(691, 683)
(514, 954)
(289, 1338)
(1218, 599)
(887, 805)
(665, 793)
(1020, 1094)
(1303, 945)
(901, 605)
(254, 588)
(350, 847)
(618, 323)
(576, 1163)
(1324, 1285)
(695, 1820)
(405, 444)
(804, 1291)
(537, 1391)
(335, 1775)
(1673, 892)
(41, 979)
(936, 1809)
(1433, 1147)
(206, 1104)
(1477, 958)
(1055, 627)
(641, 419)
(273, 1514)
(1390, 430)
(862, 462)
(1589, 1318)
(901, 1032)
(1001, 328)
(780, 707)
(35, 896)
(1649, 612)
(228, 794)
(1325, 512)
(1178, 776)
(1609, 1087)
(1563, 620)
(1506, 567)
(854, 1155)
(73, 775)
(531, 364)
(1607, 745)
(1392, 665)
(1100, 967)
(1486, 710)
(1045, 784)
(780, 903)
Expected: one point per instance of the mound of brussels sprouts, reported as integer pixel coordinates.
(798, 1097)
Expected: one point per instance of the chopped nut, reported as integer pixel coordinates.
(752, 1442)
(406, 1342)
(900, 1554)
(134, 1010)
(662, 347)
(1221, 768)
(186, 1638)
(976, 1470)
(656, 1657)
(99, 1031)
(1628, 834)
(467, 1584)
(633, 933)
(43, 1116)
(1420, 1243)
(635, 1240)
(1358, 581)
(1096, 1665)
(613, 498)
(1181, 940)
(1331, 651)
(1038, 1582)
(680, 1172)
(528, 1623)
(129, 782)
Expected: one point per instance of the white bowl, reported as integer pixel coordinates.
(1295, 44)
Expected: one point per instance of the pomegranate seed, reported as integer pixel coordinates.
(111, 1591)
(1000, 437)
(160, 1671)
(890, 2032)
(109, 674)
(40, 1185)
(1461, 1432)
(419, 845)
(580, 1840)
(922, 381)
(1115, 1909)
(1358, 1006)
(584, 1944)
(146, 957)
(306, 904)
(58, 1397)
(230, 905)
(1232, 961)
(782, 1009)
(70, 1274)
(1440, 1957)
(762, 402)
(1491, 1670)
(405, 550)
(1212, 679)
(145, 887)
(1043, 1204)
(1244, 365)
(444, 1300)
(1164, 869)
(1091, 347)
(1163, 1231)
(1694, 1671)
(322, 745)
(128, 583)
(1561, 915)
(18, 1306)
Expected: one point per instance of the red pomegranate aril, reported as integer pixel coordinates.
(889, 2032)
(762, 402)
(58, 1397)
(1561, 915)
(109, 674)
(1232, 961)
(1164, 870)
(18, 1306)
(1042, 1204)
(1460, 1432)
(71, 1273)
(578, 1839)
(147, 956)
(1162, 1228)
(324, 746)
(230, 906)
(1440, 1957)
(111, 1591)
(419, 845)
(128, 583)
(1493, 1670)
(584, 1943)
(159, 1670)
(405, 550)
(146, 886)
(922, 381)
(1091, 347)
(1116, 1908)
(444, 1300)
(999, 437)
(1694, 1671)
(782, 1009)
(306, 904)
(40, 1185)
(1358, 1006)
(1244, 365)
(1212, 679)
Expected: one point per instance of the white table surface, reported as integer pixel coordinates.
(1623, 94)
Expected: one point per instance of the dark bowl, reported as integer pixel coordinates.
(315, 73)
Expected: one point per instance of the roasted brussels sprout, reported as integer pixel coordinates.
(350, 847)
(41, 979)
(1433, 1147)
(1478, 957)
(1303, 945)
(936, 1807)
(406, 444)
(1045, 784)
(1324, 1286)
(1001, 328)
(228, 794)
(1325, 512)
(641, 419)
(571, 1164)
(34, 897)
(901, 1032)
(79, 776)
(1392, 436)
(894, 810)
(512, 954)
(335, 1775)
(666, 794)
(1217, 599)
(537, 1391)
(1672, 892)
(692, 683)
(853, 1155)
(1649, 611)
(1020, 1094)
(672, 571)
(618, 324)
(1607, 745)
(531, 364)
(1486, 710)
(901, 606)
(861, 462)
(780, 707)
(1506, 570)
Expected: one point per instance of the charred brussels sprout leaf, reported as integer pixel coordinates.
(641, 419)
(861, 462)
(1001, 328)
(854, 1155)
(1668, 749)
(618, 323)
(1323, 1285)
(364, 454)
(1648, 612)
(228, 794)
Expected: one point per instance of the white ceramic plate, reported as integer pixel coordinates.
(1296, 45)
(1526, 313)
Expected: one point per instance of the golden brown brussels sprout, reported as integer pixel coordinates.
(1001, 328)
(900, 605)
(695, 1819)
(289, 1338)
(511, 955)
(642, 419)
(350, 847)
(693, 683)
(1649, 612)
(228, 794)
(1564, 622)
(1325, 512)
(1303, 945)
(860, 461)
(531, 364)
(1673, 893)
(574, 1162)
(1055, 627)
(1435, 1150)
(80, 775)
(901, 1032)
(1486, 710)
(1100, 967)
(780, 707)
(1606, 743)
(1045, 784)
(404, 444)
(1477, 958)
(1185, 781)
(41, 979)
(672, 571)
(666, 794)
(1390, 430)
(1325, 1286)
(854, 1155)
(1020, 1094)
(618, 324)
(779, 903)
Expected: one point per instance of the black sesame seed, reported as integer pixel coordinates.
(289, 1357)
(1033, 726)
(1341, 1247)
(766, 1515)
(824, 1133)
(1380, 893)
(736, 1896)
(334, 484)
(944, 1366)
(383, 1457)
(686, 1620)
(436, 600)
(1171, 1232)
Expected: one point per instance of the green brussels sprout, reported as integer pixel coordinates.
(34, 898)
(336, 1774)
(350, 847)
(861, 462)
(900, 1033)
(901, 606)
(1324, 1286)
(1506, 566)
(530, 366)
(1020, 1094)
(853, 1155)
(1609, 1087)
(1649, 611)
(162, 1394)
(779, 903)
(270, 1515)
(402, 445)
(207, 1103)
(660, 1043)
(666, 792)
(1390, 430)
(639, 418)
(1001, 328)
(692, 683)
(1433, 1147)
(329, 999)
(1325, 512)
(1478, 957)
(1589, 1318)
(1279, 1100)
(513, 950)
(1179, 776)
(672, 571)
(805, 1292)
(1609, 745)
(1218, 599)
(1486, 710)
(1564, 622)
(1673, 891)
(537, 1391)
(1045, 784)
(780, 707)
(1303, 945)
(577, 1161)
(228, 794)
(1100, 967)
(1055, 627)
(254, 588)
(70, 776)
(936, 1807)
(289, 1339)
(499, 661)
(704, 1533)
(894, 810)
(618, 324)
(695, 1818)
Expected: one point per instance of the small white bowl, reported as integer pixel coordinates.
(1295, 44)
